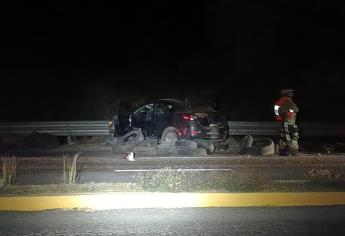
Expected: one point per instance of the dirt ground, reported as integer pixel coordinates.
(326, 159)
(252, 167)
(56, 189)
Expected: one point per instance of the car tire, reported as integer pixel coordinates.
(128, 142)
(130, 137)
(206, 144)
(231, 144)
(262, 147)
(201, 151)
(169, 135)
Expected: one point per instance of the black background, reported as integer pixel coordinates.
(71, 60)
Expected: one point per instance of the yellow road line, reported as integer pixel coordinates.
(127, 200)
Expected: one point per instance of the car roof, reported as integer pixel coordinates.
(181, 106)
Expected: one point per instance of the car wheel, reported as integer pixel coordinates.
(169, 135)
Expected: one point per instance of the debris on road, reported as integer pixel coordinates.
(134, 141)
(257, 146)
(130, 156)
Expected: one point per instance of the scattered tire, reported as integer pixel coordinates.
(258, 146)
(230, 145)
(262, 147)
(128, 142)
(206, 144)
(132, 136)
(169, 135)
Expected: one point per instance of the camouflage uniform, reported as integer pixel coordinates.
(288, 142)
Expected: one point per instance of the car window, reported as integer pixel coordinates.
(144, 113)
(162, 111)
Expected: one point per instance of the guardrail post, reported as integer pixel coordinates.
(70, 140)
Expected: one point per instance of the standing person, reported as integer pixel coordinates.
(286, 111)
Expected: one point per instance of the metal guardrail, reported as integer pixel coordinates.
(273, 128)
(253, 128)
(57, 128)
(100, 128)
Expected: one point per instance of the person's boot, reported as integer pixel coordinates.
(294, 153)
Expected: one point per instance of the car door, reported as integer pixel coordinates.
(161, 118)
(120, 122)
(142, 118)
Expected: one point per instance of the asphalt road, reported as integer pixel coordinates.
(188, 221)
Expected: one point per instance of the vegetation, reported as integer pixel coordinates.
(324, 174)
(165, 180)
(326, 178)
(71, 169)
(321, 177)
(172, 180)
(9, 170)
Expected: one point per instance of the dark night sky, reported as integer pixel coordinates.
(64, 60)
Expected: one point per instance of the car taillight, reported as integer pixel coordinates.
(195, 132)
(188, 117)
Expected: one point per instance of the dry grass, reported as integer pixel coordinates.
(70, 169)
(9, 170)
(172, 180)
(323, 173)
(164, 180)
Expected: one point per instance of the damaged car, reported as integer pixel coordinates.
(166, 121)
